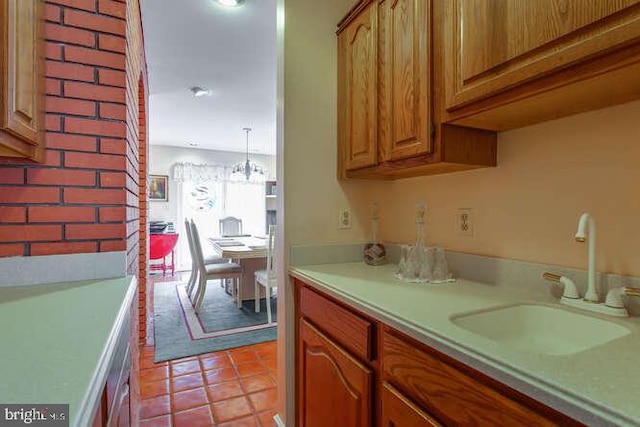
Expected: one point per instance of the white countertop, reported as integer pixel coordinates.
(56, 341)
(599, 386)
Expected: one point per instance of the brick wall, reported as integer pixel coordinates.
(77, 201)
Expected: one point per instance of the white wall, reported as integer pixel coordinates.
(163, 157)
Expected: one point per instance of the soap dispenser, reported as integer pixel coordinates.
(374, 251)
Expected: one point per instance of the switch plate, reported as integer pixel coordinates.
(464, 222)
(344, 219)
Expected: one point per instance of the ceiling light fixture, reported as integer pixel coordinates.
(247, 167)
(231, 3)
(199, 91)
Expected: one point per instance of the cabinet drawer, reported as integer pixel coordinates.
(349, 329)
(452, 396)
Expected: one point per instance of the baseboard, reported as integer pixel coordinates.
(278, 420)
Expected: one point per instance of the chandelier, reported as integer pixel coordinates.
(247, 167)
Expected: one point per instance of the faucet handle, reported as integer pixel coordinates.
(614, 296)
(570, 289)
(632, 292)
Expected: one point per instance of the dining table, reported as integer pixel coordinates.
(248, 251)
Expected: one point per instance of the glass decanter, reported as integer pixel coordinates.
(417, 258)
(374, 251)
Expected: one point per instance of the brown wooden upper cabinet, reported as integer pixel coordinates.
(511, 63)
(22, 83)
(386, 126)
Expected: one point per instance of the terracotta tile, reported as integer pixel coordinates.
(164, 421)
(186, 382)
(264, 400)
(147, 351)
(244, 357)
(183, 368)
(154, 374)
(241, 422)
(149, 362)
(270, 364)
(183, 359)
(225, 390)
(184, 400)
(267, 352)
(266, 418)
(219, 375)
(215, 361)
(195, 417)
(230, 409)
(251, 368)
(154, 389)
(155, 407)
(257, 382)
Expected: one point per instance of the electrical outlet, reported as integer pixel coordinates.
(344, 220)
(464, 222)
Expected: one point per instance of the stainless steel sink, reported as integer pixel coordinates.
(540, 329)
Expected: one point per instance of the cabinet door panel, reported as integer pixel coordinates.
(498, 44)
(404, 78)
(334, 388)
(357, 48)
(399, 411)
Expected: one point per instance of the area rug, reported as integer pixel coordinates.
(220, 325)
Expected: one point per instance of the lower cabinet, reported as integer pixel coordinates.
(399, 382)
(334, 386)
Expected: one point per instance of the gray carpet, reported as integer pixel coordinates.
(218, 313)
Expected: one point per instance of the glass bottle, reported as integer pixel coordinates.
(417, 258)
(374, 251)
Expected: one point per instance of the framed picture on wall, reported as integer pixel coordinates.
(159, 188)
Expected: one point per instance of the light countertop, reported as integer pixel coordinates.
(598, 386)
(56, 341)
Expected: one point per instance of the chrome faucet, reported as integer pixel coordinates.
(581, 236)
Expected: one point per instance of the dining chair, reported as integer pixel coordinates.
(268, 277)
(230, 226)
(208, 259)
(227, 270)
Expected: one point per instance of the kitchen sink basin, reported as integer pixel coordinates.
(540, 329)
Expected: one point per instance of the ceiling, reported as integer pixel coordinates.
(232, 52)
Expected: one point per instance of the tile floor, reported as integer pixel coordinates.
(232, 388)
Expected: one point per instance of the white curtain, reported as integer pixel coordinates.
(208, 193)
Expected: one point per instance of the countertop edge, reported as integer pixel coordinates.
(87, 408)
(572, 405)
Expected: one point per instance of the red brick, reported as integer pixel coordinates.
(11, 249)
(88, 5)
(94, 196)
(54, 51)
(62, 214)
(70, 106)
(111, 43)
(13, 214)
(60, 33)
(94, 161)
(112, 179)
(94, 231)
(65, 141)
(61, 177)
(53, 157)
(94, 22)
(95, 127)
(53, 122)
(63, 248)
(109, 7)
(54, 87)
(112, 78)
(113, 246)
(113, 111)
(113, 146)
(53, 13)
(94, 92)
(64, 70)
(23, 194)
(83, 55)
(30, 233)
(111, 214)
(11, 176)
